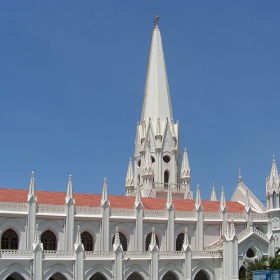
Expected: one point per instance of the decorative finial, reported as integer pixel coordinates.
(240, 175)
(156, 20)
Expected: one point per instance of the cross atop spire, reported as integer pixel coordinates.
(156, 20)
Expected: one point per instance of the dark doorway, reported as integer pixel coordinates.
(58, 276)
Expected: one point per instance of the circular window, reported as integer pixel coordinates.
(166, 159)
(152, 159)
(139, 163)
(250, 253)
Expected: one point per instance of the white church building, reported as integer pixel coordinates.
(161, 229)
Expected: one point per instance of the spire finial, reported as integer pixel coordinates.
(37, 236)
(104, 192)
(240, 175)
(153, 238)
(32, 185)
(70, 188)
(186, 238)
(223, 199)
(156, 20)
(213, 194)
(117, 237)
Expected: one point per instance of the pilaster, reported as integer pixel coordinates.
(187, 268)
(105, 208)
(139, 221)
(70, 213)
(153, 248)
(118, 256)
(199, 223)
(32, 208)
(79, 256)
(170, 222)
(37, 247)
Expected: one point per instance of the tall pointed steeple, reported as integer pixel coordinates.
(198, 198)
(157, 103)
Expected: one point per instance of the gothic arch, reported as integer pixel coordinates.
(125, 230)
(100, 269)
(24, 272)
(56, 229)
(255, 246)
(9, 240)
(139, 269)
(93, 230)
(205, 268)
(18, 227)
(49, 240)
(176, 270)
(60, 269)
(160, 233)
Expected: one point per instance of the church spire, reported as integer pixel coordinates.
(185, 170)
(157, 103)
(105, 193)
(273, 182)
(223, 200)
(129, 181)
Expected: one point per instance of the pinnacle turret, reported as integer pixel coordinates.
(273, 181)
(148, 167)
(104, 198)
(69, 195)
(198, 198)
(185, 169)
(223, 200)
(247, 201)
(129, 181)
(213, 194)
(78, 236)
(31, 192)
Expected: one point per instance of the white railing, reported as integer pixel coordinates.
(175, 188)
(58, 254)
(171, 254)
(260, 234)
(236, 216)
(122, 212)
(260, 216)
(16, 253)
(243, 233)
(212, 215)
(99, 254)
(51, 208)
(206, 254)
(154, 213)
(185, 214)
(88, 210)
(13, 206)
(144, 254)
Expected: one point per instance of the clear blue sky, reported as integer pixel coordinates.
(72, 76)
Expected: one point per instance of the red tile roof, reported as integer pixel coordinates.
(94, 200)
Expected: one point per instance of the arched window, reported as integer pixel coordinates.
(48, 239)
(122, 240)
(166, 179)
(9, 240)
(250, 253)
(87, 241)
(148, 241)
(179, 242)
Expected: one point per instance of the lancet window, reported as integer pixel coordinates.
(87, 241)
(9, 240)
(179, 242)
(48, 239)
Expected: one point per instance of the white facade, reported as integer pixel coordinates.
(156, 232)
